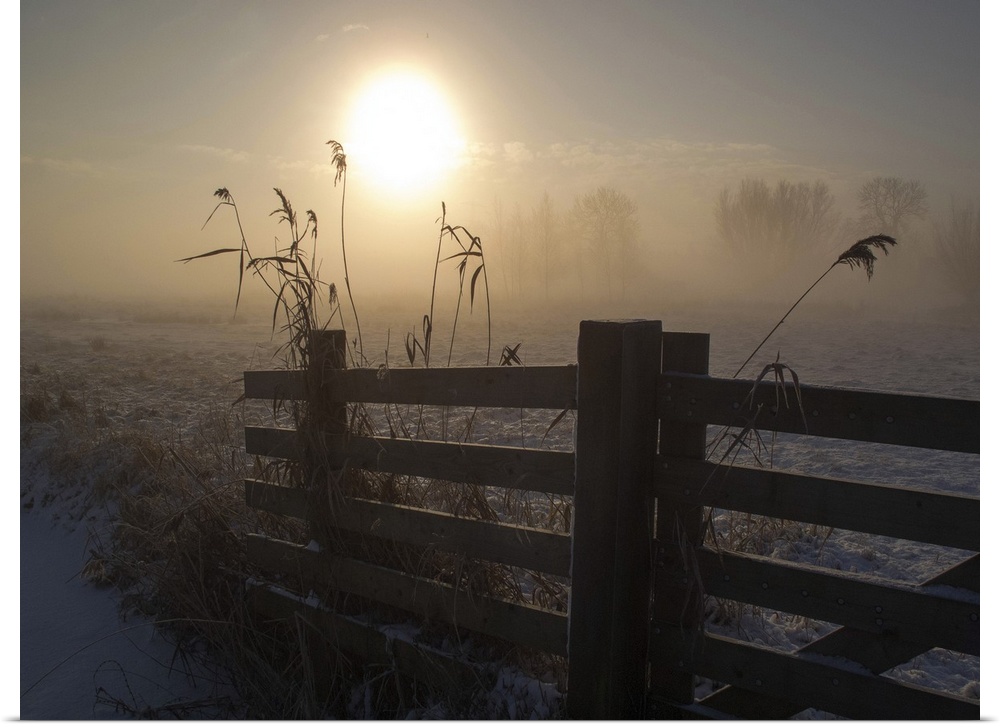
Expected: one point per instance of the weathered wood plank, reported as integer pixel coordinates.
(660, 708)
(279, 385)
(679, 524)
(277, 442)
(898, 512)
(278, 500)
(885, 608)
(613, 518)
(522, 387)
(432, 667)
(815, 681)
(914, 421)
(327, 418)
(520, 623)
(523, 547)
(875, 654)
(328, 357)
(536, 470)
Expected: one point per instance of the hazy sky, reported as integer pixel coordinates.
(134, 112)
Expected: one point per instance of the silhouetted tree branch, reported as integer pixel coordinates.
(888, 204)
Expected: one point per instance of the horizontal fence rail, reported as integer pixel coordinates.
(882, 607)
(881, 622)
(432, 667)
(518, 387)
(874, 654)
(823, 683)
(519, 623)
(903, 419)
(537, 470)
(898, 512)
(361, 524)
(640, 564)
(519, 546)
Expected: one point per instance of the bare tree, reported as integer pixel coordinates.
(762, 224)
(517, 247)
(546, 240)
(889, 204)
(499, 235)
(608, 221)
(957, 244)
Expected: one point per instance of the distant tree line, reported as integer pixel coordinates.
(767, 227)
(590, 247)
(767, 224)
(957, 243)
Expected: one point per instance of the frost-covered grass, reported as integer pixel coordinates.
(113, 409)
(135, 445)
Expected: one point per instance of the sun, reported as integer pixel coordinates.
(403, 134)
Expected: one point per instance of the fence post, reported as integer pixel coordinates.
(327, 351)
(326, 423)
(679, 527)
(619, 362)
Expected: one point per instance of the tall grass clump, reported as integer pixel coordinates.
(177, 554)
(470, 255)
(303, 311)
(166, 519)
(289, 274)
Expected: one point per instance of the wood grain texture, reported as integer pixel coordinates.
(519, 623)
(613, 518)
(867, 416)
(447, 672)
(519, 387)
(877, 655)
(919, 515)
(536, 470)
(530, 548)
(880, 607)
(679, 522)
(832, 685)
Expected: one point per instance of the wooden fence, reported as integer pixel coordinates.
(639, 566)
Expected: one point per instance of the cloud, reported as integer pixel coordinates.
(517, 152)
(354, 28)
(479, 155)
(322, 37)
(658, 159)
(297, 167)
(225, 153)
(67, 166)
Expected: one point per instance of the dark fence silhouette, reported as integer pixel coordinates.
(638, 560)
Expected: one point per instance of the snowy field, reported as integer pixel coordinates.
(174, 378)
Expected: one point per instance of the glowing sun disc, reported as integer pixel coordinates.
(403, 133)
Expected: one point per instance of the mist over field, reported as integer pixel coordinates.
(541, 249)
(195, 176)
(543, 259)
(671, 106)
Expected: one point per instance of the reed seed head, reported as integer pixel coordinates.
(338, 159)
(860, 254)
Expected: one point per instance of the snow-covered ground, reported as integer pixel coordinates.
(78, 659)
